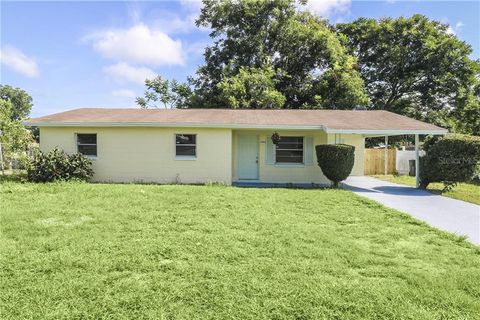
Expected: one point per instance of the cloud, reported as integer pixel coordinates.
(138, 44)
(19, 62)
(192, 5)
(193, 8)
(123, 72)
(182, 21)
(456, 29)
(172, 23)
(452, 29)
(125, 93)
(459, 26)
(327, 7)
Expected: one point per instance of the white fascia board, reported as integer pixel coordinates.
(171, 125)
(387, 132)
(232, 126)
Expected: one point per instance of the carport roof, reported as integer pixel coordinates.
(369, 122)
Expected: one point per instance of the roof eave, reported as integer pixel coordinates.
(389, 132)
(438, 131)
(171, 125)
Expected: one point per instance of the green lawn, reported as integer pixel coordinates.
(469, 192)
(96, 251)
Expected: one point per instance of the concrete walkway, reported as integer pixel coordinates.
(459, 217)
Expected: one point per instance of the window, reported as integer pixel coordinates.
(87, 144)
(289, 150)
(186, 145)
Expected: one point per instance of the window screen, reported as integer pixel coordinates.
(186, 145)
(87, 144)
(289, 150)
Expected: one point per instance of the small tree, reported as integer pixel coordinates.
(336, 161)
(170, 93)
(450, 159)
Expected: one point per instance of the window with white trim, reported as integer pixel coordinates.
(87, 144)
(186, 145)
(289, 150)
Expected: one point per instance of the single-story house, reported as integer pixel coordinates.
(222, 145)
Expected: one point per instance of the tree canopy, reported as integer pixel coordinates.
(269, 54)
(251, 88)
(14, 137)
(299, 54)
(415, 67)
(169, 93)
(21, 101)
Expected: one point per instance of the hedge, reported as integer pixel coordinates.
(450, 159)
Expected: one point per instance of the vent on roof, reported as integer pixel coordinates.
(358, 108)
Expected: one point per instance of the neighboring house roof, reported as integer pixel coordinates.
(331, 121)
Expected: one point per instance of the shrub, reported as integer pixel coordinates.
(336, 161)
(450, 159)
(57, 165)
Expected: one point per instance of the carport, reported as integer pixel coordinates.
(415, 132)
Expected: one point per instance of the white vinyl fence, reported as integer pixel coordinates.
(403, 156)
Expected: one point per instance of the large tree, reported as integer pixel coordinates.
(465, 114)
(313, 68)
(251, 88)
(15, 106)
(416, 67)
(21, 101)
(296, 52)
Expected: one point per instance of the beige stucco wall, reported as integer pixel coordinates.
(356, 140)
(130, 154)
(147, 154)
(310, 173)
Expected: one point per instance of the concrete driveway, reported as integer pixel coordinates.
(459, 217)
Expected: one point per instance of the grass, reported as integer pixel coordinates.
(13, 175)
(469, 192)
(94, 251)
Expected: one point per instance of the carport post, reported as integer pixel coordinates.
(386, 155)
(417, 161)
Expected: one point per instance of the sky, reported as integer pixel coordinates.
(97, 54)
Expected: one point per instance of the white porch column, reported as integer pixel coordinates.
(417, 161)
(386, 156)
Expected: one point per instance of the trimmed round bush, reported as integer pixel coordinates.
(336, 161)
(450, 159)
(58, 165)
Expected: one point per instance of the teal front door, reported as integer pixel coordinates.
(247, 157)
